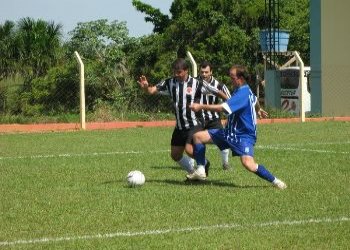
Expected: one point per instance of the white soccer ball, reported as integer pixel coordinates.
(136, 178)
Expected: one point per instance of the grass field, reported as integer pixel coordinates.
(68, 191)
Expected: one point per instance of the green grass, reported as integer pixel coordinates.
(70, 189)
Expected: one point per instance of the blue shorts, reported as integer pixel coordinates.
(239, 147)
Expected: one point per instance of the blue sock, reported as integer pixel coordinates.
(199, 153)
(262, 172)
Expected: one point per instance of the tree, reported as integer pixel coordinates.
(38, 46)
(99, 39)
(8, 65)
(295, 17)
(101, 44)
(225, 31)
(153, 15)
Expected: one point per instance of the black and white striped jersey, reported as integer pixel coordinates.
(213, 99)
(183, 95)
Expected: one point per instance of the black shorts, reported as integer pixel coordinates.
(213, 124)
(182, 137)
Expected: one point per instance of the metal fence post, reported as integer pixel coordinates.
(82, 90)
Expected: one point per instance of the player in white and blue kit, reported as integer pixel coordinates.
(240, 132)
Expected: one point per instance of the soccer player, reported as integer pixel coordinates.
(183, 90)
(240, 132)
(212, 119)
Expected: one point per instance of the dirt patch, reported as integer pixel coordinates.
(53, 127)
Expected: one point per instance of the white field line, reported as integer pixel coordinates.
(285, 147)
(175, 230)
(314, 143)
(82, 154)
(301, 149)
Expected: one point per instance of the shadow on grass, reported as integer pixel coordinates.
(174, 167)
(209, 182)
(205, 183)
(190, 183)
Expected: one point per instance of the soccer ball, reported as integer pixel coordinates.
(135, 178)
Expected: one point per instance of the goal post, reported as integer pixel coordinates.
(82, 90)
(193, 63)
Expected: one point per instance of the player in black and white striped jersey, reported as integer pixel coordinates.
(183, 89)
(212, 119)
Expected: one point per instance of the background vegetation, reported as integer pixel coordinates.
(39, 75)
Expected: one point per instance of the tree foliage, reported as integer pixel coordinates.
(8, 52)
(100, 40)
(295, 17)
(102, 46)
(153, 15)
(38, 44)
(224, 32)
(31, 47)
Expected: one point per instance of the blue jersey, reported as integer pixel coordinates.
(240, 109)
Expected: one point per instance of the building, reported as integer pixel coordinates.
(330, 57)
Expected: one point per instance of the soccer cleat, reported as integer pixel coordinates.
(207, 165)
(196, 176)
(226, 166)
(279, 184)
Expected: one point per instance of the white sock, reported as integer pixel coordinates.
(187, 163)
(200, 169)
(224, 156)
(275, 180)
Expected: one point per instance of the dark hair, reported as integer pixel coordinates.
(205, 64)
(180, 64)
(241, 71)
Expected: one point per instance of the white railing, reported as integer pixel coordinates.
(301, 84)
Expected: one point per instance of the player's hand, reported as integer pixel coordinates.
(262, 113)
(143, 82)
(195, 107)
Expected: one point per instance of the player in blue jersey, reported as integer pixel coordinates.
(240, 132)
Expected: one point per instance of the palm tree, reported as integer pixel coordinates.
(39, 44)
(7, 50)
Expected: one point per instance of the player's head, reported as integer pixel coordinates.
(180, 69)
(206, 71)
(238, 75)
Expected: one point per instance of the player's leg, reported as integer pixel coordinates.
(189, 146)
(178, 142)
(189, 149)
(260, 170)
(216, 136)
(217, 124)
(245, 149)
(199, 140)
(188, 137)
(186, 162)
(224, 157)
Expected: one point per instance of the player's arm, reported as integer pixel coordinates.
(261, 113)
(222, 95)
(223, 88)
(211, 90)
(209, 107)
(145, 86)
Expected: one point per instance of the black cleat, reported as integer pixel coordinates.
(207, 165)
(226, 166)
